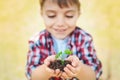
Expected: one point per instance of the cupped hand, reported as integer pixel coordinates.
(72, 70)
(53, 73)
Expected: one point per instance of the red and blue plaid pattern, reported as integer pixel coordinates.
(79, 42)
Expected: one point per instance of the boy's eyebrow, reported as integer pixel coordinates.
(65, 12)
(50, 11)
(70, 11)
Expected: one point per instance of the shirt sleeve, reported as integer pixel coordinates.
(33, 59)
(89, 57)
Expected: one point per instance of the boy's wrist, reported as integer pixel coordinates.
(48, 71)
(40, 73)
(80, 67)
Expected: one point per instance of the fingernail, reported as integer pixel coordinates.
(73, 64)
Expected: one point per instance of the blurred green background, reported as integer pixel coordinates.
(20, 19)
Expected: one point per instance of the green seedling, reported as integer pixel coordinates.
(67, 51)
(58, 56)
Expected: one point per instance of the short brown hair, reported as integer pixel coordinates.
(63, 3)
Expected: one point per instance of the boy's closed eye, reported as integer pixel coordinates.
(51, 16)
(69, 16)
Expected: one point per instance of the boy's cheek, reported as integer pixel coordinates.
(71, 23)
(48, 22)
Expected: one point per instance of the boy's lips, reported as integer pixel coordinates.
(60, 30)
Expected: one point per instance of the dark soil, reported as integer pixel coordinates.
(57, 64)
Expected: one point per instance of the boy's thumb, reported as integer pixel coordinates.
(73, 64)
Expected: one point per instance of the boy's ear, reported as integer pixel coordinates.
(79, 13)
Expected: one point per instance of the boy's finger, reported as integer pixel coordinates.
(64, 75)
(69, 58)
(50, 70)
(73, 59)
(57, 72)
(49, 59)
(71, 68)
(46, 62)
(68, 72)
(74, 63)
(62, 78)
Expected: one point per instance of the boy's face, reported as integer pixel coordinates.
(60, 22)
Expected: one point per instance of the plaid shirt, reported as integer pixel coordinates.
(79, 42)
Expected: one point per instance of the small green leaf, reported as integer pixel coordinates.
(62, 61)
(58, 55)
(67, 51)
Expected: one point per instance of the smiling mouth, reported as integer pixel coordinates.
(60, 30)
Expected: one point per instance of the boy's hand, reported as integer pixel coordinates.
(51, 72)
(72, 70)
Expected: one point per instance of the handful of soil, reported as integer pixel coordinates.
(59, 64)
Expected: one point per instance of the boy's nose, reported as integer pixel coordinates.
(60, 22)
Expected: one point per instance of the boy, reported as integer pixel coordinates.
(61, 33)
